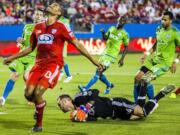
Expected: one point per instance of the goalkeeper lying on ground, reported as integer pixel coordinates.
(90, 106)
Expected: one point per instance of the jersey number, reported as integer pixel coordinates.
(48, 74)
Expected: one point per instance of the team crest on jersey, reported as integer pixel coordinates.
(45, 39)
(48, 74)
(54, 31)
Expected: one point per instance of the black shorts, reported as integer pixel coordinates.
(122, 108)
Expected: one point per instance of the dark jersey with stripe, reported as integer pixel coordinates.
(104, 107)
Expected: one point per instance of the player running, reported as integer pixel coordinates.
(66, 66)
(91, 106)
(22, 65)
(48, 37)
(116, 36)
(161, 59)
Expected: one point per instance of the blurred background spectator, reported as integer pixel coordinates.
(84, 13)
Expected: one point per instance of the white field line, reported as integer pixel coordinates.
(1, 113)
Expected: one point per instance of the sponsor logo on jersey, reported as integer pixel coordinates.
(45, 39)
(115, 37)
(54, 31)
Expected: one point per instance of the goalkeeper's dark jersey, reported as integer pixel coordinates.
(104, 107)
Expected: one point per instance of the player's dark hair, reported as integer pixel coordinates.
(170, 14)
(64, 96)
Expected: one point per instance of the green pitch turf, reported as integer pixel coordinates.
(19, 118)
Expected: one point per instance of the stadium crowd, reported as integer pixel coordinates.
(87, 12)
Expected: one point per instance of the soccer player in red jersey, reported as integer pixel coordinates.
(48, 37)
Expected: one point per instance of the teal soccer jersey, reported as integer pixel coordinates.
(160, 62)
(167, 39)
(115, 39)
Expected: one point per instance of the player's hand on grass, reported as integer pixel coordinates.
(121, 62)
(173, 67)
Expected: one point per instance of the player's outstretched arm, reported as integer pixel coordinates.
(105, 37)
(121, 61)
(81, 48)
(174, 64)
(150, 52)
(18, 55)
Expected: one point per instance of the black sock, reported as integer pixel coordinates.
(159, 96)
(149, 106)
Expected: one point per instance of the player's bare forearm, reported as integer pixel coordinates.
(178, 56)
(18, 55)
(23, 53)
(104, 34)
(174, 64)
(121, 61)
(83, 51)
(151, 51)
(124, 52)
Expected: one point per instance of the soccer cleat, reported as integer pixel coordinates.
(167, 89)
(67, 79)
(61, 75)
(82, 89)
(36, 129)
(173, 95)
(2, 101)
(108, 89)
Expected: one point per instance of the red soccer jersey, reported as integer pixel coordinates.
(49, 41)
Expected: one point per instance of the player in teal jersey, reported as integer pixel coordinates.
(116, 36)
(161, 59)
(66, 66)
(21, 65)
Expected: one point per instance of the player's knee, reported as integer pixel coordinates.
(14, 76)
(137, 78)
(28, 95)
(39, 91)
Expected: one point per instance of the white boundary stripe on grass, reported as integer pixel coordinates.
(1, 113)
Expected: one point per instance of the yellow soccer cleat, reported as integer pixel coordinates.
(173, 95)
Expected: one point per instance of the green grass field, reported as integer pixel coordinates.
(19, 118)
